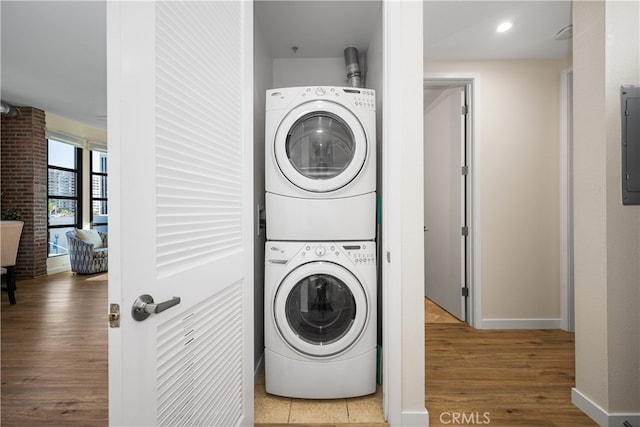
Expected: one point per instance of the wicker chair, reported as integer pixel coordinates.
(84, 257)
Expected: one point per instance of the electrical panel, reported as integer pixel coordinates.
(630, 111)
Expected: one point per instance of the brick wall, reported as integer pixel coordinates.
(23, 180)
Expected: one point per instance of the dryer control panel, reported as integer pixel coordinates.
(361, 98)
(357, 98)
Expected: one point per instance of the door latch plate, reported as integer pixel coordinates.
(114, 315)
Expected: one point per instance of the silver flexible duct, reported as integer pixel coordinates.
(8, 110)
(354, 77)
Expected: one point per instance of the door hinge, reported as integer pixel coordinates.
(465, 231)
(465, 292)
(464, 110)
(114, 315)
(465, 170)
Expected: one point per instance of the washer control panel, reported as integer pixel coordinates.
(282, 252)
(318, 250)
(361, 253)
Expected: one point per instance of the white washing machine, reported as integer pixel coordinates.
(320, 319)
(320, 163)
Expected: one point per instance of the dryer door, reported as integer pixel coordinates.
(320, 309)
(320, 146)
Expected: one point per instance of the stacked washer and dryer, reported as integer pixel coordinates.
(320, 254)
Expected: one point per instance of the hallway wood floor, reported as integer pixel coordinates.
(498, 377)
(54, 364)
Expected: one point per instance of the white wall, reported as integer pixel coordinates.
(607, 234)
(518, 146)
(402, 213)
(293, 72)
(263, 79)
(412, 216)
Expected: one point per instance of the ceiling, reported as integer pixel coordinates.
(54, 52)
(467, 29)
(320, 29)
(54, 58)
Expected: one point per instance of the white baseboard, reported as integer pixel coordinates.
(58, 264)
(520, 324)
(599, 415)
(415, 418)
(57, 270)
(258, 369)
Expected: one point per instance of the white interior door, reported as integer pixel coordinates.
(180, 152)
(444, 201)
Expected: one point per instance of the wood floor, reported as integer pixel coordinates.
(54, 364)
(498, 377)
(54, 353)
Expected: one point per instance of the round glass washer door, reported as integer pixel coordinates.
(320, 309)
(320, 146)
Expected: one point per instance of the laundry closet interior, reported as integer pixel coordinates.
(301, 44)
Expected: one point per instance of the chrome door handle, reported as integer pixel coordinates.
(144, 306)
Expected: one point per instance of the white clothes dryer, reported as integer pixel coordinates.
(320, 163)
(320, 319)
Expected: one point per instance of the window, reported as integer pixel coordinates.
(99, 194)
(64, 190)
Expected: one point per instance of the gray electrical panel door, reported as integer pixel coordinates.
(630, 110)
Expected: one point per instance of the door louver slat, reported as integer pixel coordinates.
(198, 146)
(200, 352)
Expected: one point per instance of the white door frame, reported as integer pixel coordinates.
(474, 246)
(567, 321)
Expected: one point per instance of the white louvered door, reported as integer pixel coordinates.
(180, 156)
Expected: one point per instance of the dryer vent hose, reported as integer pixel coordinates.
(354, 77)
(8, 110)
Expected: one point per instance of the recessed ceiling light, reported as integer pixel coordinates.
(505, 26)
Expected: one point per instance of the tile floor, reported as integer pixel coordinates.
(271, 409)
(433, 313)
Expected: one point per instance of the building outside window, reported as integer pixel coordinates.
(99, 194)
(64, 194)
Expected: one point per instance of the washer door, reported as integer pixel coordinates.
(320, 309)
(320, 146)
